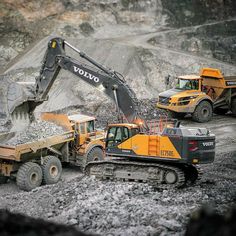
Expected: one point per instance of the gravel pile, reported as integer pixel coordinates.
(37, 130)
(107, 114)
(127, 208)
(4, 127)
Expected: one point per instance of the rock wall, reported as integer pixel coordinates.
(23, 22)
(143, 40)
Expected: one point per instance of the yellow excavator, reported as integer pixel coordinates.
(160, 151)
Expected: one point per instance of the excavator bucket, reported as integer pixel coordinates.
(16, 103)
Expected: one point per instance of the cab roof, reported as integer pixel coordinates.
(193, 77)
(80, 118)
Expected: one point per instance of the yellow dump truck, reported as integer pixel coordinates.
(40, 161)
(200, 95)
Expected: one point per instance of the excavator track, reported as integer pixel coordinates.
(161, 175)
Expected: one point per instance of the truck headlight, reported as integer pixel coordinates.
(186, 98)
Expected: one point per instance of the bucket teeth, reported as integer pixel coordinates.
(20, 118)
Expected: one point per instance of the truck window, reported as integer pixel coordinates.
(195, 84)
(76, 127)
(185, 84)
(82, 128)
(90, 126)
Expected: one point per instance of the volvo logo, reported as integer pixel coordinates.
(86, 74)
(208, 144)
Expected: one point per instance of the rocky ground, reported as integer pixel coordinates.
(126, 208)
(145, 41)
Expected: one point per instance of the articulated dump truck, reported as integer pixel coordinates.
(40, 162)
(200, 95)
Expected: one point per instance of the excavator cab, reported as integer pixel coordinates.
(119, 137)
(116, 135)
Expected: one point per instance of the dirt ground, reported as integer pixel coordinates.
(126, 208)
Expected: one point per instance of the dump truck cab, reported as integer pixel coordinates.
(200, 95)
(187, 94)
(88, 143)
(84, 127)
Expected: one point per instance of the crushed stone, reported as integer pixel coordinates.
(37, 130)
(127, 208)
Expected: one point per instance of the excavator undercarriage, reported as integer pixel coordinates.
(170, 161)
(161, 175)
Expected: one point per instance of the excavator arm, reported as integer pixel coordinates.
(107, 81)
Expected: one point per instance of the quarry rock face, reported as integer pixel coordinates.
(143, 40)
(26, 21)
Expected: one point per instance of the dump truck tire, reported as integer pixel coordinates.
(203, 112)
(51, 169)
(96, 154)
(29, 176)
(233, 106)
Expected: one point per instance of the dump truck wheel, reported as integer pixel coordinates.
(96, 154)
(3, 179)
(220, 111)
(52, 170)
(203, 112)
(233, 106)
(29, 176)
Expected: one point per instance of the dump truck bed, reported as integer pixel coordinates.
(230, 81)
(17, 153)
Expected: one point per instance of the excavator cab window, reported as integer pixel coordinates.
(125, 133)
(134, 131)
(116, 135)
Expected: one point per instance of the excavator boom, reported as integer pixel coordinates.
(103, 79)
(106, 80)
